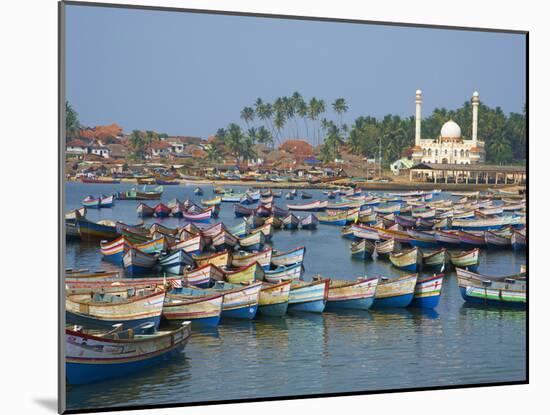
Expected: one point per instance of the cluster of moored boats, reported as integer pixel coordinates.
(203, 274)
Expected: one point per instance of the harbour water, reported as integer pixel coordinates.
(454, 344)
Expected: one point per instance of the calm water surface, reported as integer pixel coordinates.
(328, 353)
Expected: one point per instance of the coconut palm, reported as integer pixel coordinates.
(264, 136)
(247, 115)
(302, 111)
(340, 107)
(72, 125)
(213, 152)
(279, 123)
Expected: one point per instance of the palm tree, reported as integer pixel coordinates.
(247, 114)
(213, 152)
(252, 133)
(296, 101)
(137, 145)
(234, 140)
(312, 115)
(340, 107)
(264, 136)
(279, 122)
(302, 110)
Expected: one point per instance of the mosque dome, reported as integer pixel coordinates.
(451, 130)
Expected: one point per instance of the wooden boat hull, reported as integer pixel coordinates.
(103, 316)
(89, 230)
(274, 299)
(427, 292)
(202, 311)
(294, 256)
(221, 259)
(408, 260)
(136, 262)
(395, 293)
(491, 298)
(308, 297)
(468, 260)
(176, 262)
(91, 359)
(244, 259)
(356, 295)
(247, 274)
(282, 273)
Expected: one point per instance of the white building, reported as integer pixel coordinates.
(450, 147)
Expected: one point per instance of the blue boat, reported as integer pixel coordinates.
(136, 262)
(309, 297)
(355, 295)
(408, 260)
(119, 352)
(395, 292)
(427, 292)
(176, 262)
(422, 239)
(239, 302)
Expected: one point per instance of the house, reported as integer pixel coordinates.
(77, 147)
(401, 164)
(117, 151)
(99, 150)
(159, 149)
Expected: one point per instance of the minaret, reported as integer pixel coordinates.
(418, 117)
(475, 106)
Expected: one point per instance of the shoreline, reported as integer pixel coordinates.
(339, 183)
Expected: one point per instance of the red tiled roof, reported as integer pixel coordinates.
(77, 143)
(159, 145)
(476, 149)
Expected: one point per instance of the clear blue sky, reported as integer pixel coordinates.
(190, 74)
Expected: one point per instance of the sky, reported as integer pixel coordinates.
(190, 74)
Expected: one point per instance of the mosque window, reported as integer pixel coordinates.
(456, 153)
(461, 153)
(436, 153)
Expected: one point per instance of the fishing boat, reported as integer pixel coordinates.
(266, 229)
(243, 258)
(422, 239)
(263, 211)
(306, 195)
(289, 196)
(146, 194)
(203, 276)
(99, 180)
(154, 246)
(385, 248)
(309, 222)
(224, 241)
(423, 213)
(291, 221)
(284, 273)
(106, 201)
(276, 222)
(507, 291)
(220, 259)
(198, 191)
(95, 356)
(308, 296)
(192, 246)
(468, 260)
(177, 209)
(164, 230)
(435, 259)
(212, 202)
(176, 262)
(294, 256)
(232, 197)
(274, 299)
(316, 206)
(89, 230)
(408, 260)
(239, 301)
(253, 221)
(254, 241)
(395, 292)
(405, 221)
(247, 274)
(199, 310)
(145, 211)
(136, 262)
(450, 239)
(358, 295)
(494, 240)
(365, 232)
(162, 211)
(86, 274)
(471, 238)
(518, 240)
(362, 249)
(101, 310)
(91, 202)
(114, 251)
(427, 291)
(399, 236)
(483, 224)
(203, 216)
(240, 230)
(339, 219)
(388, 208)
(241, 211)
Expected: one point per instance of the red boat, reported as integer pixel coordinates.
(162, 211)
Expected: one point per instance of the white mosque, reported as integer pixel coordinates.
(450, 147)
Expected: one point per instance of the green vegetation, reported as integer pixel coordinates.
(504, 135)
(72, 124)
